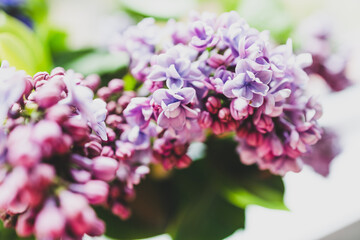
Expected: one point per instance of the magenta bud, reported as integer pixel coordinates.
(183, 162)
(58, 71)
(42, 175)
(218, 127)
(40, 77)
(111, 107)
(239, 108)
(21, 150)
(58, 113)
(92, 81)
(47, 96)
(95, 191)
(116, 85)
(96, 228)
(113, 120)
(265, 124)
(78, 129)
(205, 120)
(254, 139)
(29, 86)
(104, 168)
(47, 134)
(107, 152)
(224, 115)
(92, 149)
(121, 211)
(80, 176)
(25, 224)
(124, 100)
(50, 223)
(110, 134)
(125, 151)
(213, 104)
(104, 93)
(180, 149)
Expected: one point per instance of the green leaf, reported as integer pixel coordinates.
(152, 210)
(10, 234)
(129, 82)
(16, 53)
(268, 15)
(98, 62)
(265, 197)
(205, 201)
(209, 217)
(31, 46)
(240, 184)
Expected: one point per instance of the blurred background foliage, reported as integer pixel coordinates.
(208, 198)
(59, 33)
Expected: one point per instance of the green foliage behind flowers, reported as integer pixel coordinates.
(21, 47)
(205, 201)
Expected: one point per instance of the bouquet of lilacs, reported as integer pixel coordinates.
(66, 158)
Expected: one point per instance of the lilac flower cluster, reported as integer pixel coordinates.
(221, 76)
(62, 151)
(51, 130)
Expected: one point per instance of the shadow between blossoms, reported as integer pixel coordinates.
(205, 201)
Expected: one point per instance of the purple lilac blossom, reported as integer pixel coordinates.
(248, 83)
(94, 111)
(174, 107)
(12, 86)
(175, 68)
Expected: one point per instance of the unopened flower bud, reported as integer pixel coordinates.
(104, 93)
(205, 120)
(213, 104)
(121, 211)
(92, 81)
(45, 229)
(183, 162)
(104, 168)
(116, 85)
(239, 108)
(95, 191)
(224, 115)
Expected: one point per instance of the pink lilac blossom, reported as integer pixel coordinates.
(44, 131)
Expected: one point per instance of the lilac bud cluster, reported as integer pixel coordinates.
(51, 135)
(219, 75)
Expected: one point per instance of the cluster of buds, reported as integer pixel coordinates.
(51, 134)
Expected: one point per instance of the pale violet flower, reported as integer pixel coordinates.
(174, 107)
(81, 97)
(12, 86)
